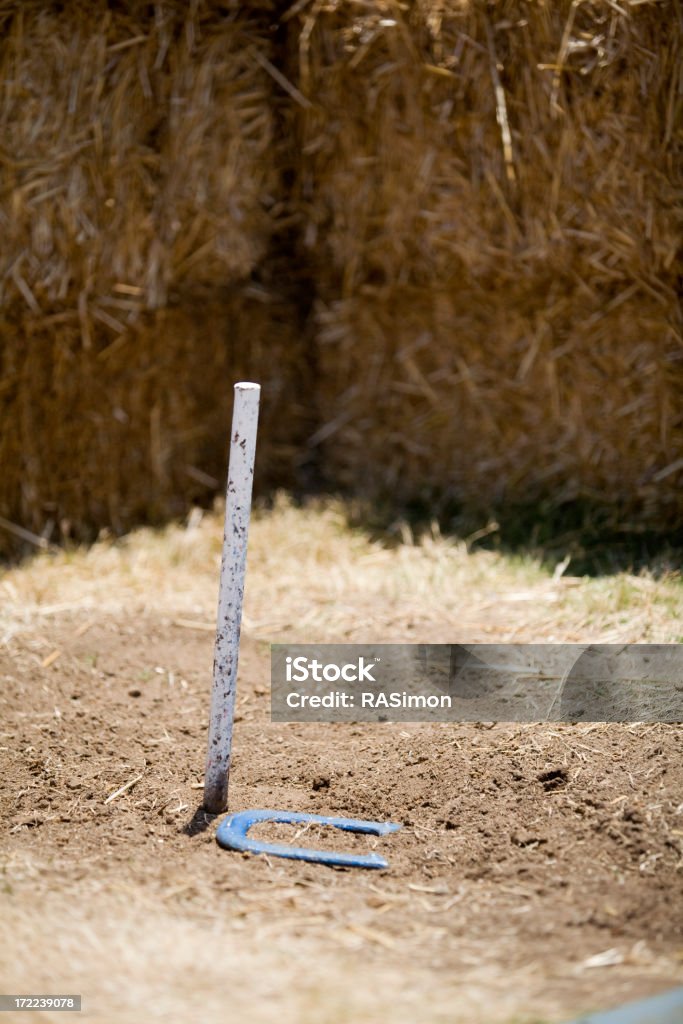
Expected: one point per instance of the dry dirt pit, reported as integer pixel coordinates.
(538, 873)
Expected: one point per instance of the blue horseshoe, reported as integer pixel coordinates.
(666, 1008)
(231, 834)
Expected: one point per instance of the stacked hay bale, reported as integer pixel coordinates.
(139, 192)
(489, 195)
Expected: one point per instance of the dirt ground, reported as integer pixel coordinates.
(538, 873)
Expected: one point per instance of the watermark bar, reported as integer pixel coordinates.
(17, 1003)
(477, 682)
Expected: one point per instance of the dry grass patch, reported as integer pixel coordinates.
(311, 577)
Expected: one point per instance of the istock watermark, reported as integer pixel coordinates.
(477, 682)
(301, 669)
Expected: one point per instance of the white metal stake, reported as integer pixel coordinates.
(231, 594)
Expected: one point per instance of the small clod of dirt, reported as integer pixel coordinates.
(553, 779)
(524, 839)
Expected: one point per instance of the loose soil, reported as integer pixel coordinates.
(537, 875)
(538, 869)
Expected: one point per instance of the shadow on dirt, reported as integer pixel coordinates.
(576, 538)
(200, 821)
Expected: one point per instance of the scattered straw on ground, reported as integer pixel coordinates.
(312, 578)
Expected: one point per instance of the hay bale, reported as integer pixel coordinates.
(136, 427)
(139, 175)
(136, 155)
(491, 199)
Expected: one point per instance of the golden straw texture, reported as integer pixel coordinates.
(490, 194)
(137, 430)
(139, 193)
(134, 152)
